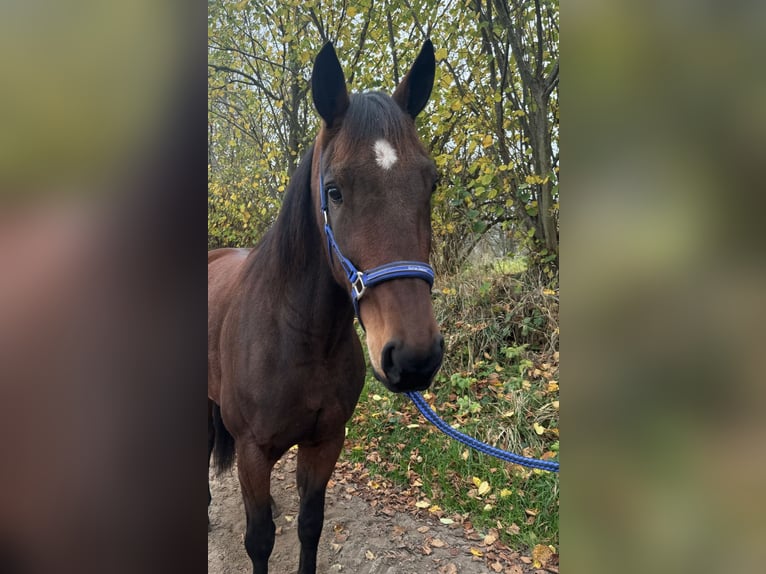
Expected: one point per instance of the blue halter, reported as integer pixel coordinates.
(362, 280)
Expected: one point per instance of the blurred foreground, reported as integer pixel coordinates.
(102, 316)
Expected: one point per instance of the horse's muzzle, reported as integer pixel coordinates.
(409, 369)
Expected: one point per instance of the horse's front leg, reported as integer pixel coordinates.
(315, 466)
(210, 444)
(254, 477)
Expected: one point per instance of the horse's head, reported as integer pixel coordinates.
(378, 180)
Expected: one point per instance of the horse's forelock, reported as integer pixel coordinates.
(372, 116)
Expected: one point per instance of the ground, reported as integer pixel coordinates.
(360, 535)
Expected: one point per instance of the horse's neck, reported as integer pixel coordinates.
(307, 297)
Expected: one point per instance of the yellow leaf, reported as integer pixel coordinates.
(487, 141)
(541, 554)
(477, 552)
(446, 520)
(505, 493)
(422, 504)
(484, 488)
(476, 480)
(435, 508)
(441, 53)
(539, 429)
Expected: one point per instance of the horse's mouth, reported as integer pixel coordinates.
(405, 383)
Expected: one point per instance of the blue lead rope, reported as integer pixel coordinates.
(433, 418)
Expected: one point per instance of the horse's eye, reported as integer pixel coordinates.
(335, 195)
(435, 184)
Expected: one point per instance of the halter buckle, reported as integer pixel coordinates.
(358, 285)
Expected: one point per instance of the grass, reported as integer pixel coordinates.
(492, 388)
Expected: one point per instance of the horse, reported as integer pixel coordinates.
(285, 364)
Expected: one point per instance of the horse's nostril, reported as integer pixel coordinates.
(441, 343)
(387, 362)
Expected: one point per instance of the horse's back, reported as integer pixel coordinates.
(223, 269)
(223, 272)
(230, 254)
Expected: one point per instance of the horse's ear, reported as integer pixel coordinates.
(413, 91)
(328, 86)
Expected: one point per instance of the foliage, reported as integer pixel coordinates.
(492, 311)
(492, 124)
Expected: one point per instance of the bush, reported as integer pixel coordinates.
(482, 312)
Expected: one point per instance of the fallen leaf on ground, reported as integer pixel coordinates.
(541, 554)
(490, 539)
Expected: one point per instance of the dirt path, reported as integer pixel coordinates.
(358, 537)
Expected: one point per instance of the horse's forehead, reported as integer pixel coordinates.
(380, 154)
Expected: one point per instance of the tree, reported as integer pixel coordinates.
(491, 125)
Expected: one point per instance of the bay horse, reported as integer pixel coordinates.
(285, 365)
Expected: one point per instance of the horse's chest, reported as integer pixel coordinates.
(299, 405)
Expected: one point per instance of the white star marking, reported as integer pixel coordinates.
(385, 155)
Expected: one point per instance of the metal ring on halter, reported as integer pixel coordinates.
(358, 291)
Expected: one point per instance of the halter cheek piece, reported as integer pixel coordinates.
(362, 280)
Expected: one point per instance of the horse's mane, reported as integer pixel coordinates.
(295, 224)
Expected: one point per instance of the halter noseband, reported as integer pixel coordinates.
(361, 280)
